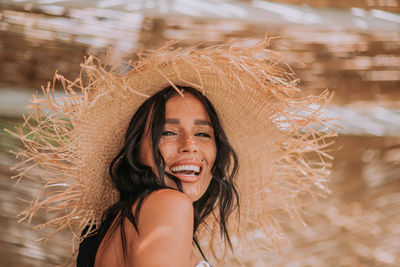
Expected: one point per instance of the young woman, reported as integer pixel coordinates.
(140, 158)
(170, 175)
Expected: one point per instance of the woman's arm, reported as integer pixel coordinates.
(165, 227)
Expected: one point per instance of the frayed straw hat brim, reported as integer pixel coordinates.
(273, 127)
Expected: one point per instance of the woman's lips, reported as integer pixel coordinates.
(188, 171)
(187, 178)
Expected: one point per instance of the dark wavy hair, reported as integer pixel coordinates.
(135, 181)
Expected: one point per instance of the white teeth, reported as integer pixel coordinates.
(193, 168)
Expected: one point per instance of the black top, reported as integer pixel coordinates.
(87, 250)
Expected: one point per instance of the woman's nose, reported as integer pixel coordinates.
(189, 145)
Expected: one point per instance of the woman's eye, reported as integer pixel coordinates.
(168, 133)
(203, 135)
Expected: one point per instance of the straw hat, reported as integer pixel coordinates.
(275, 130)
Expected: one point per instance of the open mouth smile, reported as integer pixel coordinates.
(187, 172)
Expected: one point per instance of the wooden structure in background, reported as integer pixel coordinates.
(387, 5)
(357, 65)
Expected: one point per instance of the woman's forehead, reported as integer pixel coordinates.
(178, 107)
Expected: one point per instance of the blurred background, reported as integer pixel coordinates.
(351, 47)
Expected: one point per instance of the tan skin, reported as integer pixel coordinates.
(166, 217)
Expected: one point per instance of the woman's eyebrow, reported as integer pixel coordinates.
(202, 122)
(172, 121)
(196, 122)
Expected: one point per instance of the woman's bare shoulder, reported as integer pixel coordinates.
(170, 196)
(165, 225)
(167, 205)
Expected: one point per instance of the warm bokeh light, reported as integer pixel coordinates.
(350, 47)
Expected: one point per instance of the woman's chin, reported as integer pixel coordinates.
(192, 188)
(192, 191)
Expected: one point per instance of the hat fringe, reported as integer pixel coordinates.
(300, 165)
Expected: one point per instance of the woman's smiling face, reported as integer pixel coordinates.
(187, 145)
